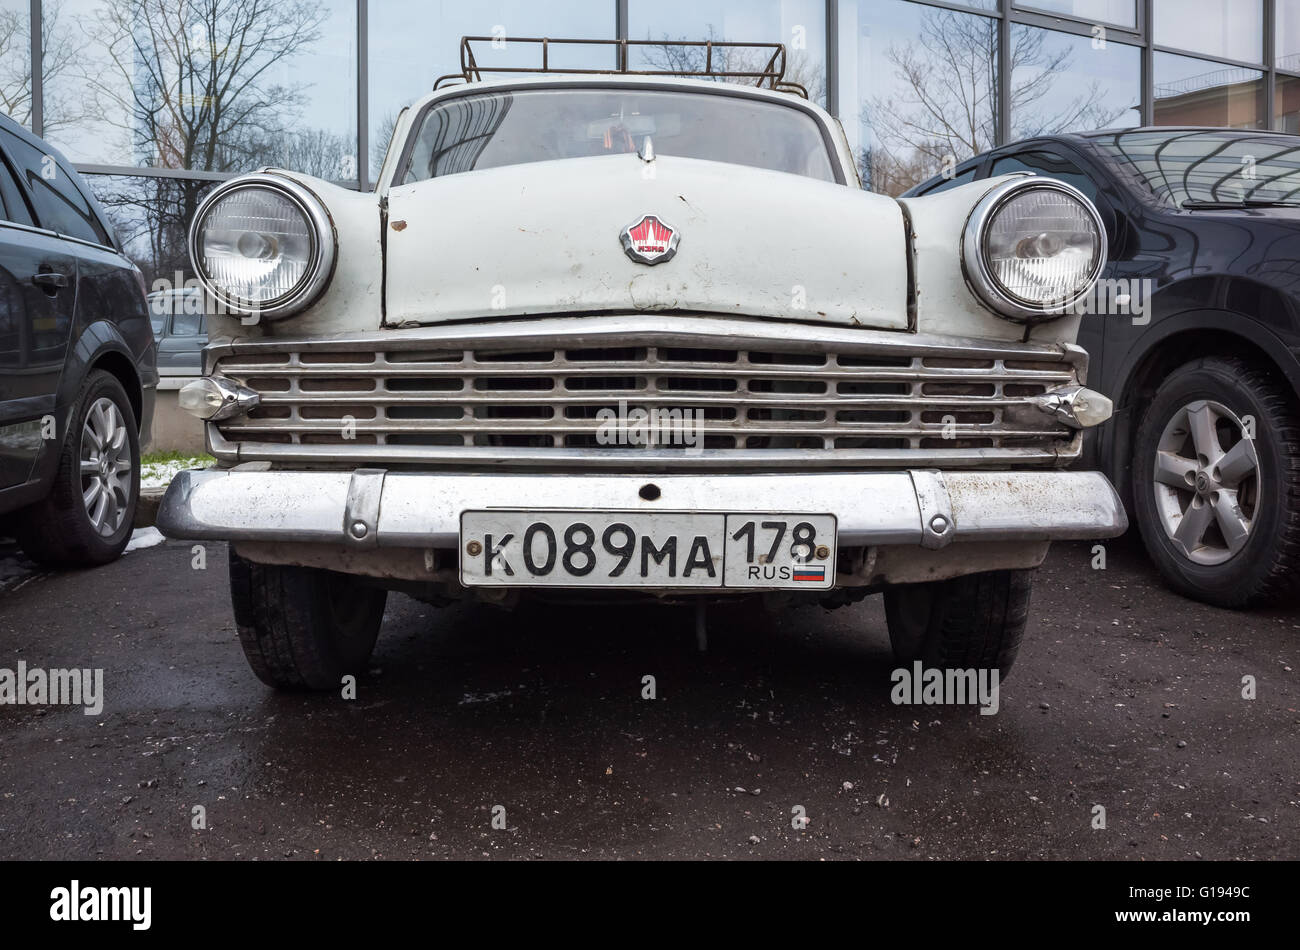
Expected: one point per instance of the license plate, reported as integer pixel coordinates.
(634, 549)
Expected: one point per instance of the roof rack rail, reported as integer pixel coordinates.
(769, 75)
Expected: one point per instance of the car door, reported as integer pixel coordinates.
(180, 349)
(37, 298)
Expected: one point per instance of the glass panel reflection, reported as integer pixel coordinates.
(1230, 28)
(206, 85)
(1286, 105)
(799, 24)
(918, 87)
(1287, 29)
(16, 60)
(151, 217)
(1066, 83)
(1119, 12)
(1198, 92)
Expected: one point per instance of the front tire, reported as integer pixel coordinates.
(303, 628)
(87, 518)
(1219, 513)
(971, 622)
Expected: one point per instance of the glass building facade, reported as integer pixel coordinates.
(154, 100)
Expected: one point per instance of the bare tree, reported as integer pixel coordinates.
(63, 101)
(800, 68)
(318, 152)
(380, 140)
(190, 84)
(152, 217)
(189, 80)
(947, 112)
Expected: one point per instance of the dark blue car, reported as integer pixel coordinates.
(1202, 355)
(77, 373)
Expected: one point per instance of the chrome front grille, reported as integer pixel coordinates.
(860, 396)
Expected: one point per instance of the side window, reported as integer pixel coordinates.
(13, 206)
(959, 179)
(59, 202)
(1048, 165)
(187, 324)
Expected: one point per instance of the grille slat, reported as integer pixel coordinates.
(746, 403)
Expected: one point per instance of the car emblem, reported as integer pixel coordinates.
(650, 241)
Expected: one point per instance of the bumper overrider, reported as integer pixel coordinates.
(908, 526)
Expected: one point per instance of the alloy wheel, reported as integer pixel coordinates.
(106, 467)
(1206, 482)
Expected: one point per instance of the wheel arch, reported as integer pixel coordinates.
(1174, 342)
(102, 346)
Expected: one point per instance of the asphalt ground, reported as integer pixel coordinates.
(1125, 696)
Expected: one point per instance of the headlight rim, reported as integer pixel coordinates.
(980, 277)
(324, 247)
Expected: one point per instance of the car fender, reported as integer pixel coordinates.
(99, 340)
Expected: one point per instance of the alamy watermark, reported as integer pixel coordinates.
(921, 686)
(57, 687)
(77, 903)
(651, 427)
(1110, 297)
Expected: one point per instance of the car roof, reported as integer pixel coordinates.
(12, 125)
(9, 124)
(613, 81)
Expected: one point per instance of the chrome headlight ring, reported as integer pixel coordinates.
(323, 255)
(975, 257)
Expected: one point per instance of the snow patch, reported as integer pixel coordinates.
(160, 474)
(144, 538)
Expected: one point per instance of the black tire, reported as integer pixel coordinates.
(1267, 568)
(57, 530)
(971, 622)
(303, 628)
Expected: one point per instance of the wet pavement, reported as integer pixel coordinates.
(1125, 696)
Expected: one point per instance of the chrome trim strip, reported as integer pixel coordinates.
(937, 528)
(677, 330)
(361, 513)
(653, 460)
(423, 510)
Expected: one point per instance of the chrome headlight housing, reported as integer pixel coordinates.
(1033, 248)
(263, 245)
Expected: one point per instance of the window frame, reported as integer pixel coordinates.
(402, 168)
(20, 192)
(72, 176)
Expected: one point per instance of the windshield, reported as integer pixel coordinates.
(466, 133)
(1219, 167)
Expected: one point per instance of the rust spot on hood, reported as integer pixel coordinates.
(399, 225)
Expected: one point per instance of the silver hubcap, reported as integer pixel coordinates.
(1206, 482)
(106, 467)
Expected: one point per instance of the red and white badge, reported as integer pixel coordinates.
(650, 240)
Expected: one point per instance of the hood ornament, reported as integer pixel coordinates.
(651, 240)
(647, 153)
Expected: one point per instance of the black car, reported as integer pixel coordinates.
(77, 374)
(1205, 371)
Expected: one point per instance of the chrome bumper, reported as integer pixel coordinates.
(372, 508)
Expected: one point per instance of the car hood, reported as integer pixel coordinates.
(548, 238)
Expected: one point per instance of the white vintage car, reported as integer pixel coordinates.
(643, 334)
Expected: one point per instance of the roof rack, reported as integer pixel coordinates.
(771, 75)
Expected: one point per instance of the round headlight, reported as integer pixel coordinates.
(263, 246)
(1033, 247)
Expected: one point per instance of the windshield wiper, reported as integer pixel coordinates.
(1198, 204)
